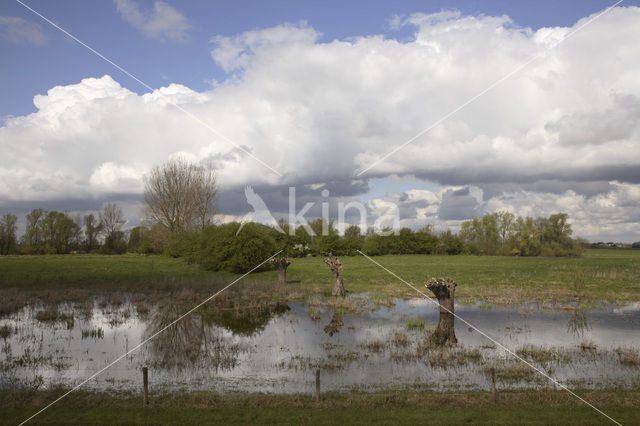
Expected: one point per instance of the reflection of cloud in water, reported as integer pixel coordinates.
(628, 308)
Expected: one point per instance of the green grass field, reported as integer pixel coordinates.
(612, 275)
(528, 407)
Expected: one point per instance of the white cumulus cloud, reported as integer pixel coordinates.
(561, 134)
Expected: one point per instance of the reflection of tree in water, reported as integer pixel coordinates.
(578, 321)
(243, 320)
(335, 324)
(189, 342)
(444, 334)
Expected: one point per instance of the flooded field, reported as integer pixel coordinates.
(278, 348)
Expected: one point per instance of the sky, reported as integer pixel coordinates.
(530, 106)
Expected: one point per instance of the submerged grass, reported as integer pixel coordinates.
(5, 332)
(94, 333)
(629, 357)
(415, 324)
(513, 373)
(374, 346)
(544, 355)
(588, 346)
(52, 314)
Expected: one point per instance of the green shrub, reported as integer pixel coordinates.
(182, 245)
(227, 247)
(212, 247)
(252, 245)
(449, 243)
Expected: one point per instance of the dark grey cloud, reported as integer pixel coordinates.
(552, 186)
(276, 197)
(458, 205)
(67, 204)
(479, 175)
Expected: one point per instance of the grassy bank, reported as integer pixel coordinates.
(612, 275)
(524, 407)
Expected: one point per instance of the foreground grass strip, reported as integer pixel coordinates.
(547, 406)
(540, 371)
(135, 348)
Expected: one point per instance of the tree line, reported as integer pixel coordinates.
(181, 201)
(503, 233)
(180, 198)
(238, 247)
(54, 232)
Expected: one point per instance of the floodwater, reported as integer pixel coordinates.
(280, 352)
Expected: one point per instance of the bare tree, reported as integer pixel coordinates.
(181, 195)
(111, 219)
(207, 191)
(92, 229)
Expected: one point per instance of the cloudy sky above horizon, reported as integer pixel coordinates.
(308, 96)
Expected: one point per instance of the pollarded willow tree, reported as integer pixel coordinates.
(444, 289)
(181, 195)
(336, 267)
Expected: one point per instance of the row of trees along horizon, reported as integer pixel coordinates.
(181, 201)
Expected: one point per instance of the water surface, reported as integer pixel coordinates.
(271, 352)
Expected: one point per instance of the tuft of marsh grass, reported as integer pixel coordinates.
(52, 314)
(629, 357)
(330, 346)
(514, 373)
(415, 324)
(542, 355)
(591, 306)
(315, 313)
(578, 281)
(380, 299)
(95, 333)
(587, 346)
(400, 339)
(451, 357)
(142, 309)
(374, 346)
(5, 332)
(344, 356)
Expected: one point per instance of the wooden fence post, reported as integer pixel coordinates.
(318, 385)
(145, 384)
(493, 385)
